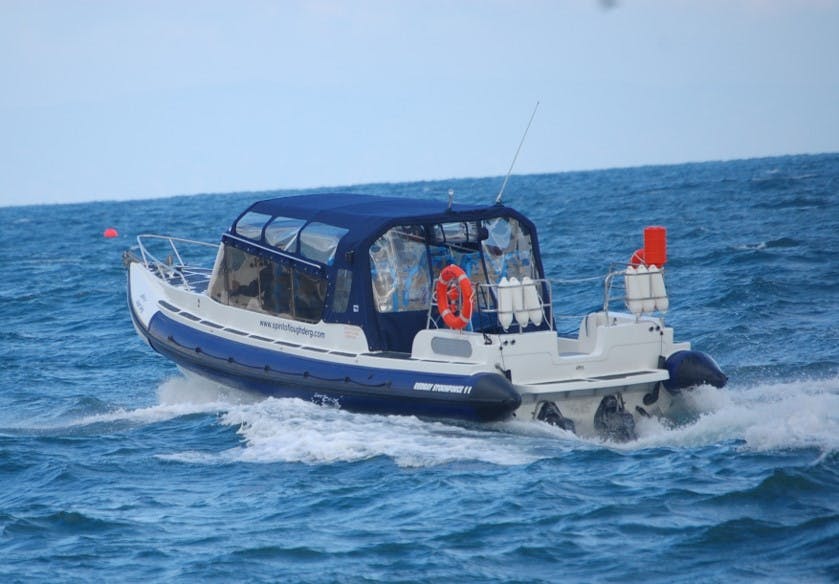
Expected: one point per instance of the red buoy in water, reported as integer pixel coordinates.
(110, 232)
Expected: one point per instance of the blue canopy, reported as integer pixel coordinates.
(354, 211)
(366, 218)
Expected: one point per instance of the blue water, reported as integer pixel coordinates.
(114, 467)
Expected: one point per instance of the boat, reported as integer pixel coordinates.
(412, 307)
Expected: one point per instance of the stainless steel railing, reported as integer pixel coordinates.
(487, 316)
(174, 269)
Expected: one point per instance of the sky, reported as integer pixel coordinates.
(104, 100)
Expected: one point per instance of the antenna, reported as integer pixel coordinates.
(513, 163)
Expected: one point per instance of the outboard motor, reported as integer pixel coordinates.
(612, 421)
(691, 368)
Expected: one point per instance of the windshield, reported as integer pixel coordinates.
(318, 241)
(251, 224)
(282, 233)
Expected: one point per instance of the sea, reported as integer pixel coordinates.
(114, 467)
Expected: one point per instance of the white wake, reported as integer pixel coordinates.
(765, 417)
(762, 417)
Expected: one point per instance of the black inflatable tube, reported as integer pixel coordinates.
(692, 368)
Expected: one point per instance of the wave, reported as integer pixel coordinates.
(292, 430)
(764, 417)
(69, 522)
(177, 397)
(794, 202)
(780, 243)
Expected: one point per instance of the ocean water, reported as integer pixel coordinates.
(114, 467)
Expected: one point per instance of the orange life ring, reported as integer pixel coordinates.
(454, 297)
(638, 258)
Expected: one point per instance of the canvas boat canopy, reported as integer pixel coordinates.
(365, 260)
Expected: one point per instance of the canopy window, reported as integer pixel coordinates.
(458, 243)
(250, 224)
(262, 285)
(399, 270)
(282, 232)
(508, 250)
(318, 241)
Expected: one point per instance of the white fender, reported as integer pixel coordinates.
(531, 300)
(505, 304)
(632, 286)
(659, 292)
(645, 289)
(518, 302)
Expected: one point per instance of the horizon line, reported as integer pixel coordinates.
(291, 190)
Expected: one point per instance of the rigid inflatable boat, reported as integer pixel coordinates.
(411, 307)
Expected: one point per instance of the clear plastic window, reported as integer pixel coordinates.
(262, 285)
(277, 293)
(251, 224)
(309, 296)
(456, 233)
(470, 262)
(318, 241)
(399, 270)
(247, 277)
(457, 243)
(343, 284)
(282, 233)
(441, 256)
(508, 250)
